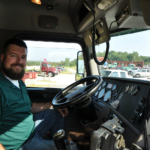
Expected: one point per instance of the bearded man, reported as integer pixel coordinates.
(23, 124)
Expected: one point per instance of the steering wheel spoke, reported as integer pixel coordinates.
(63, 99)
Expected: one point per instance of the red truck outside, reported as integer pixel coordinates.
(46, 68)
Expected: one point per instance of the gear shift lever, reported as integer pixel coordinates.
(59, 140)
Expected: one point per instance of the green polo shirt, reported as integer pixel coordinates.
(16, 119)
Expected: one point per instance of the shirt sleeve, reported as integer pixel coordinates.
(1, 106)
(31, 103)
(25, 88)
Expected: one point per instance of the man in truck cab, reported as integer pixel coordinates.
(23, 124)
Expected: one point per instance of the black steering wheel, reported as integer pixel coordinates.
(63, 99)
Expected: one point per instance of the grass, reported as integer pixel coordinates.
(78, 77)
(40, 83)
(74, 67)
(29, 70)
(35, 85)
(66, 72)
(46, 81)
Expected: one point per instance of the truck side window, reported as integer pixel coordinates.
(51, 64)
(44, 65)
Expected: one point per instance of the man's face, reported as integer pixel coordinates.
(14, 62)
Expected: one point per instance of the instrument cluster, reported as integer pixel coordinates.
(107, 92)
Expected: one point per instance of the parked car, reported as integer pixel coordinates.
(133, 70)
(118, 68)
(142, 73)
(114, 73)
(61, 69)
(112, 65)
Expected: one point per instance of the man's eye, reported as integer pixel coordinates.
(13, 55)
(23, 57)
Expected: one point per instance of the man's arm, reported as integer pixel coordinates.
(38, 107)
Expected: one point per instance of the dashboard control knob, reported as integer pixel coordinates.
(130, 90)
(127, 88)
(135, 90)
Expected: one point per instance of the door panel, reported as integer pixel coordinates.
(42, 94)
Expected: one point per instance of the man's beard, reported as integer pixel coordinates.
(9, 72)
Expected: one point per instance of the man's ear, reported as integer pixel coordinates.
(2, 57)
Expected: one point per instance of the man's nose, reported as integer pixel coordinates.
(19, 60)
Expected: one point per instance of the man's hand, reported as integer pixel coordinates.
(63, 111)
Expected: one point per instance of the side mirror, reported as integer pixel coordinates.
(80, 66)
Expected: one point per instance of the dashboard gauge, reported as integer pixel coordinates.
(127, 88)
(114, 93)
(96, 93)
(101, 93)
(134, 90)
(109, 86)
(104, 84)
(107, 96)
(99, 88)
(130, 90)
(114, 87)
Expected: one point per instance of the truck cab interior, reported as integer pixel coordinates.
(106, 113)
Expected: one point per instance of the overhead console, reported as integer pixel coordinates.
(101, 9)
(130, 15)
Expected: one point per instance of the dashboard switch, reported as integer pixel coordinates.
(133, 118)
(142, 101)
(138, 109)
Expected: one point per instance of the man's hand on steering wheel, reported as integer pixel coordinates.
(63, 111)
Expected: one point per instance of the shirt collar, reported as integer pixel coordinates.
(7, 81)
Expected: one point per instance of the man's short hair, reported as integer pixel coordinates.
(14, 41)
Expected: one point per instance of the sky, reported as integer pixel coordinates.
(139, 42)
(52, 51)
(58, 51)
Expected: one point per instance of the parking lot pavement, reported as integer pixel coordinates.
(61, 80)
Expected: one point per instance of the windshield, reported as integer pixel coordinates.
(49, 65)
(130, 51)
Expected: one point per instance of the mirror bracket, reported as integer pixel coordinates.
(103, 37)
